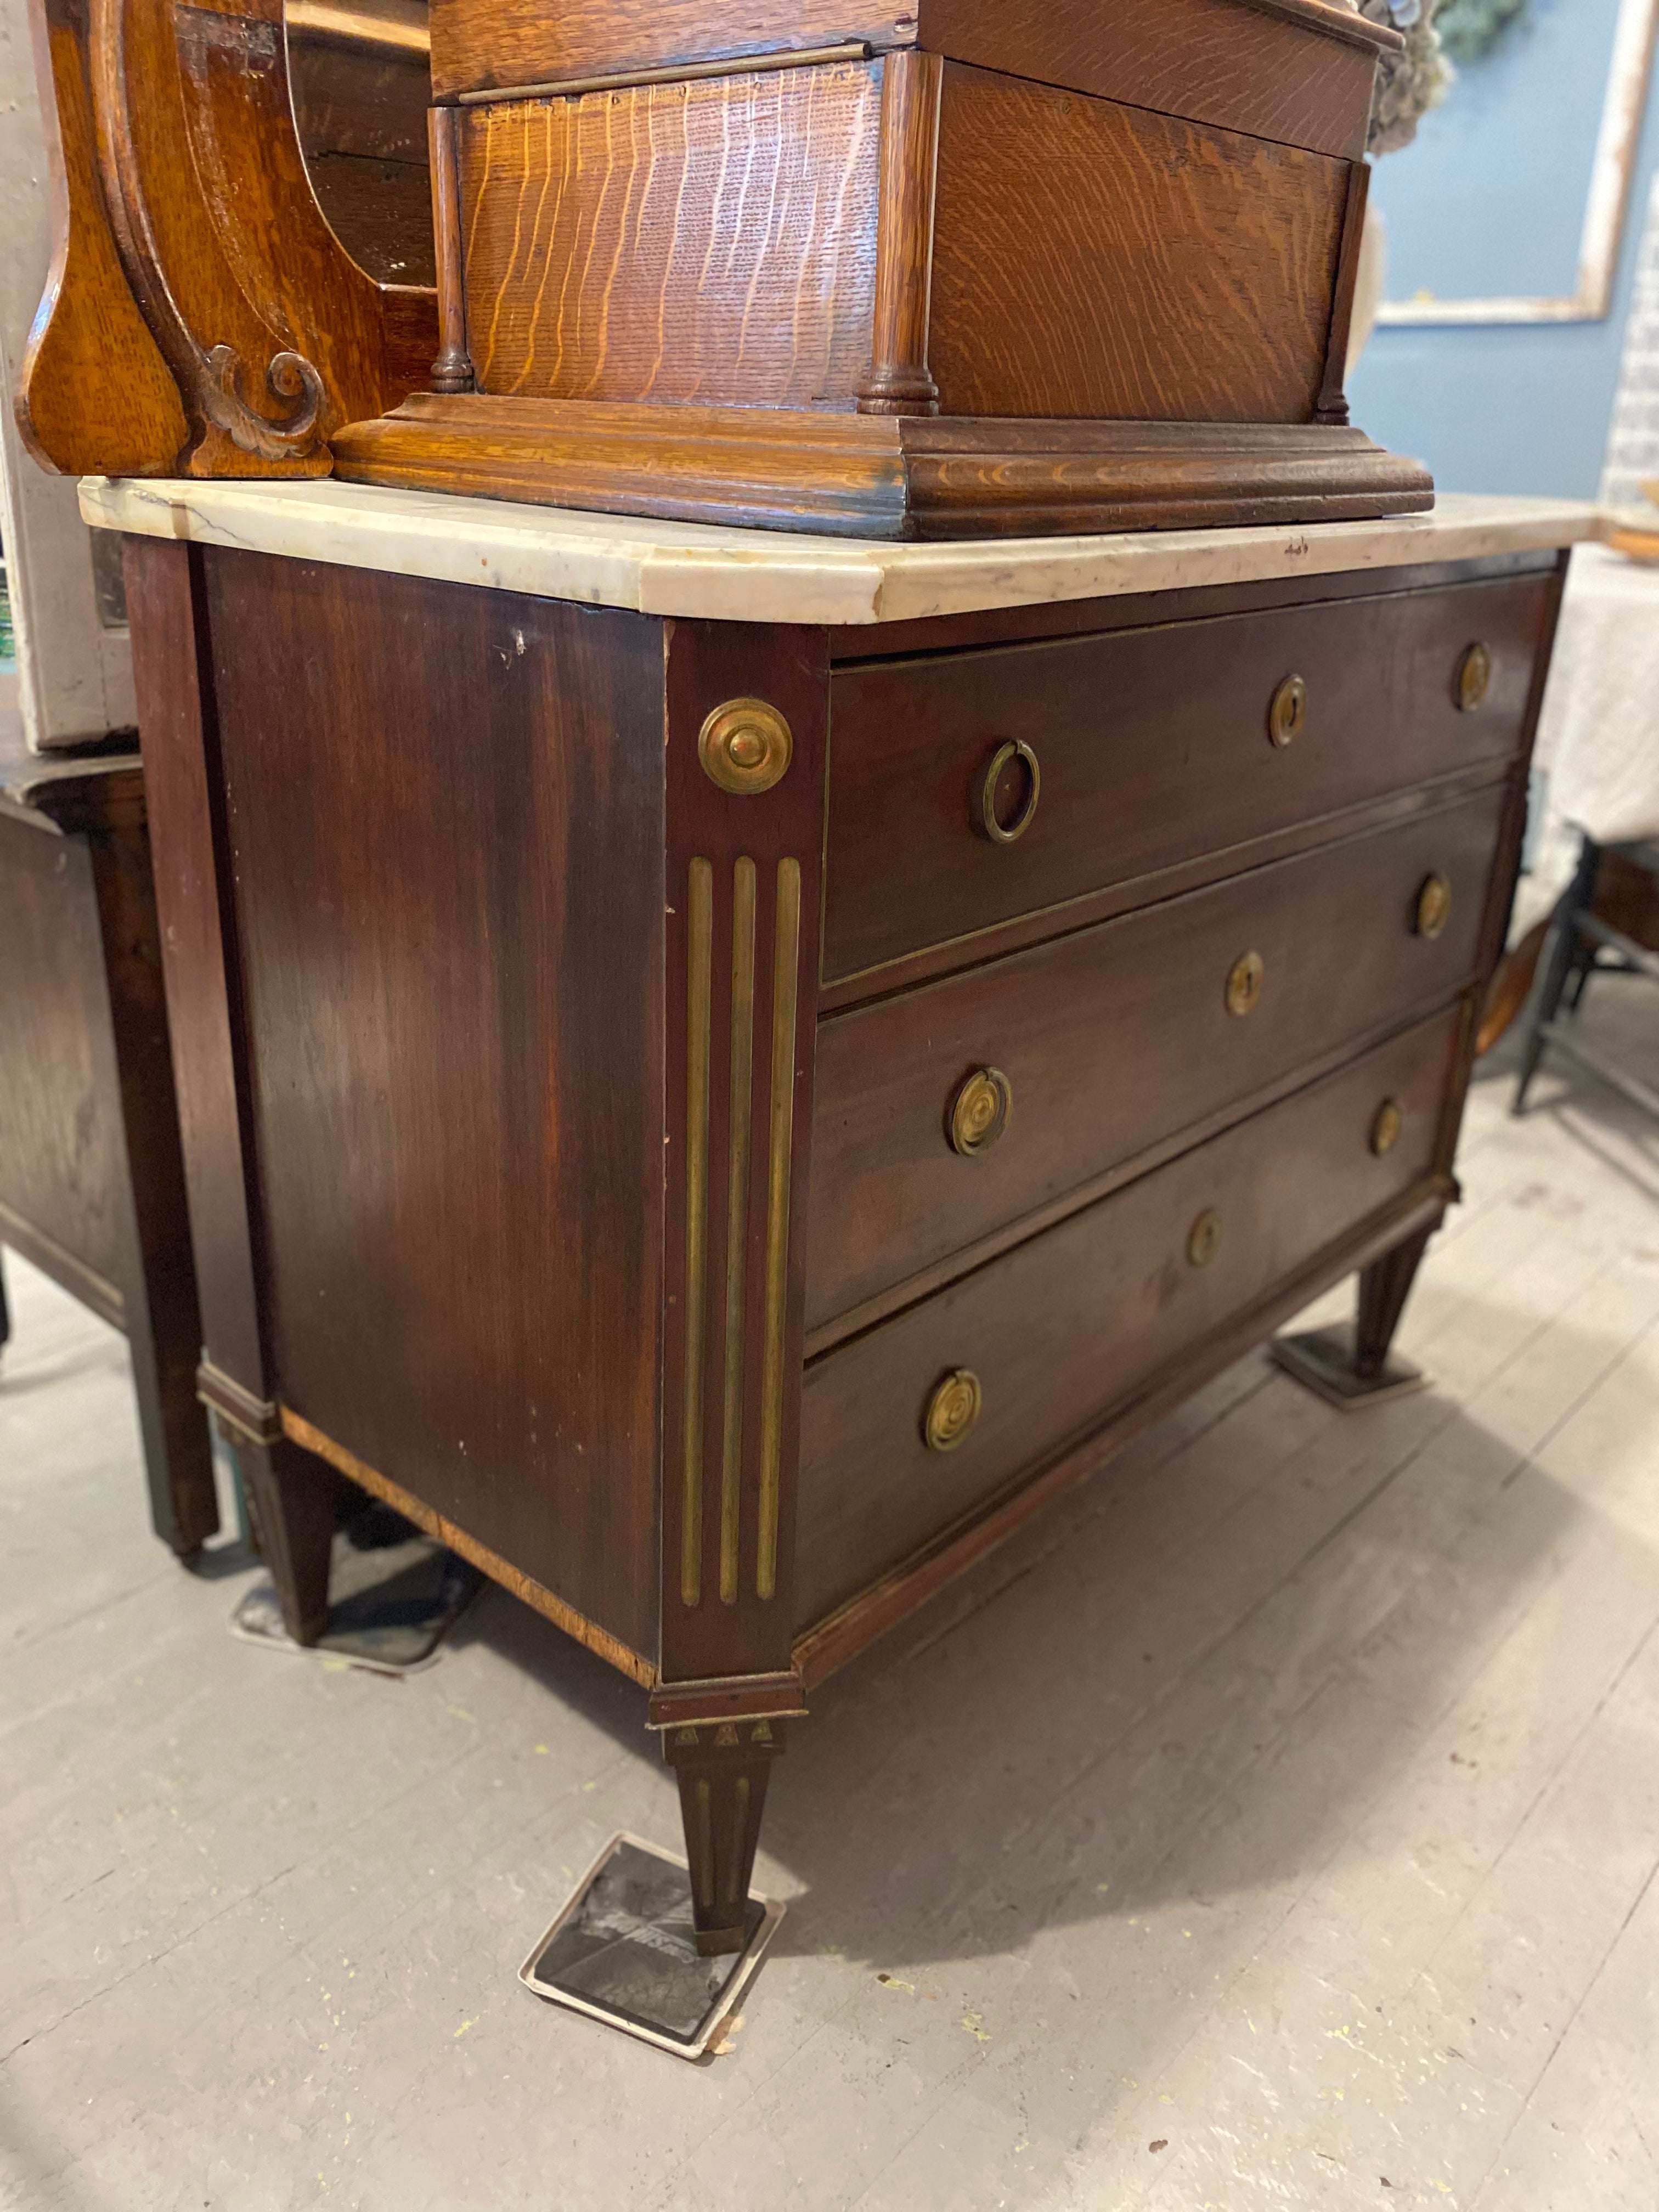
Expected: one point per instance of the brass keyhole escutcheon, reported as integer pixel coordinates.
(1204, 1238)
(1245, 983)
(952, 1409)
(1433, 907)
(1389, 1121)
(980, 1110)
(1474, 677)
(746, 747)
(999, 831)
(1287, 714)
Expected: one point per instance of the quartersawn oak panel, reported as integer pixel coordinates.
(1154, 749)
(1092, 259)
(1211, 61)
(1118, 1038)
(448, 883)
(1068, 1325)
(480, 45)
(712, 240)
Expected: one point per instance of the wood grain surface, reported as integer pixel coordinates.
(1118, 1038)
(870, 476)
(1211, 61)
(715, 240)
(480, 43)
(1071, 1323)
(1152, 746)
(1093, 259)
(448, 864)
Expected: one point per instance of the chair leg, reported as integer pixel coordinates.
(1557, 965)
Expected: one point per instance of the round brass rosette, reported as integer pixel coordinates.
(1245, 981)
(746, 747)
(1204, 1238)
(1390, 1120)
(952, 1410)
(1433, 907)
(980, 1110)
(1474, 677)
(1287, 714)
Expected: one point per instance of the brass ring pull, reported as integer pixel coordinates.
(1287, 714)
(1474, 677)
(952, 1409)
(1245, 981)
(980, 1110)
(1204, 1238)
(1433, 907)
(1389, 1120)
(746, 747)
(1001, 833)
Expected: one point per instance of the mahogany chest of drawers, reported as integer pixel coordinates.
(720, 1119)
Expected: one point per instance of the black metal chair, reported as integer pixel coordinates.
(1580, 943)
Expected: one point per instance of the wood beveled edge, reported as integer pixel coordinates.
(842, 1634)
(55, 1260)
(727, 1697)
(599, 1641)
(765, 62)
(1334, 21)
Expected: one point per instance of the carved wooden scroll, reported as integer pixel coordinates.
(201, 318)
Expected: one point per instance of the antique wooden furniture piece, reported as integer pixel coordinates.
(973, 269)
(721, 1072)
(968, 269)
(92, 1185)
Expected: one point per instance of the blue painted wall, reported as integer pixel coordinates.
(1504, 408)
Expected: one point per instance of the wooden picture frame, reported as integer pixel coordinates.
(1606, 202)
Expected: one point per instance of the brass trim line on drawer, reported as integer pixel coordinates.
(699, 995)
(786, 964)
(737, 1216)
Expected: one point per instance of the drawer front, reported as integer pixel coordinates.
(1096, 1045)
(1151, 746)
(1069, 1324)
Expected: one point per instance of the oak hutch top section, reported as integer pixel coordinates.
(696, 569)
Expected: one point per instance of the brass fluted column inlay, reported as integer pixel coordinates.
(700, 942)
(737, 1216)
(786, 961)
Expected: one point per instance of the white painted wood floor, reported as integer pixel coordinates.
(1274, 1826)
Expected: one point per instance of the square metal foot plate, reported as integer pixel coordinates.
(1323, 1359)
(624, 1950)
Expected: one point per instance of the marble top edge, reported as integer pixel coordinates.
(721, 572)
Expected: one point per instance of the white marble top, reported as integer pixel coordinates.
(771, 575)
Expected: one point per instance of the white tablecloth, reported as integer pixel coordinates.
(1598, 737)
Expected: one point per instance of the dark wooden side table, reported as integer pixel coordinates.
(722, 1070)
(92, 1187)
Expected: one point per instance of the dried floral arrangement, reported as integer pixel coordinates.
(1408, 84)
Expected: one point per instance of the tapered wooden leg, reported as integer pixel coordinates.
(722, 1770)
(293, 1500)
(1353, 1366)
